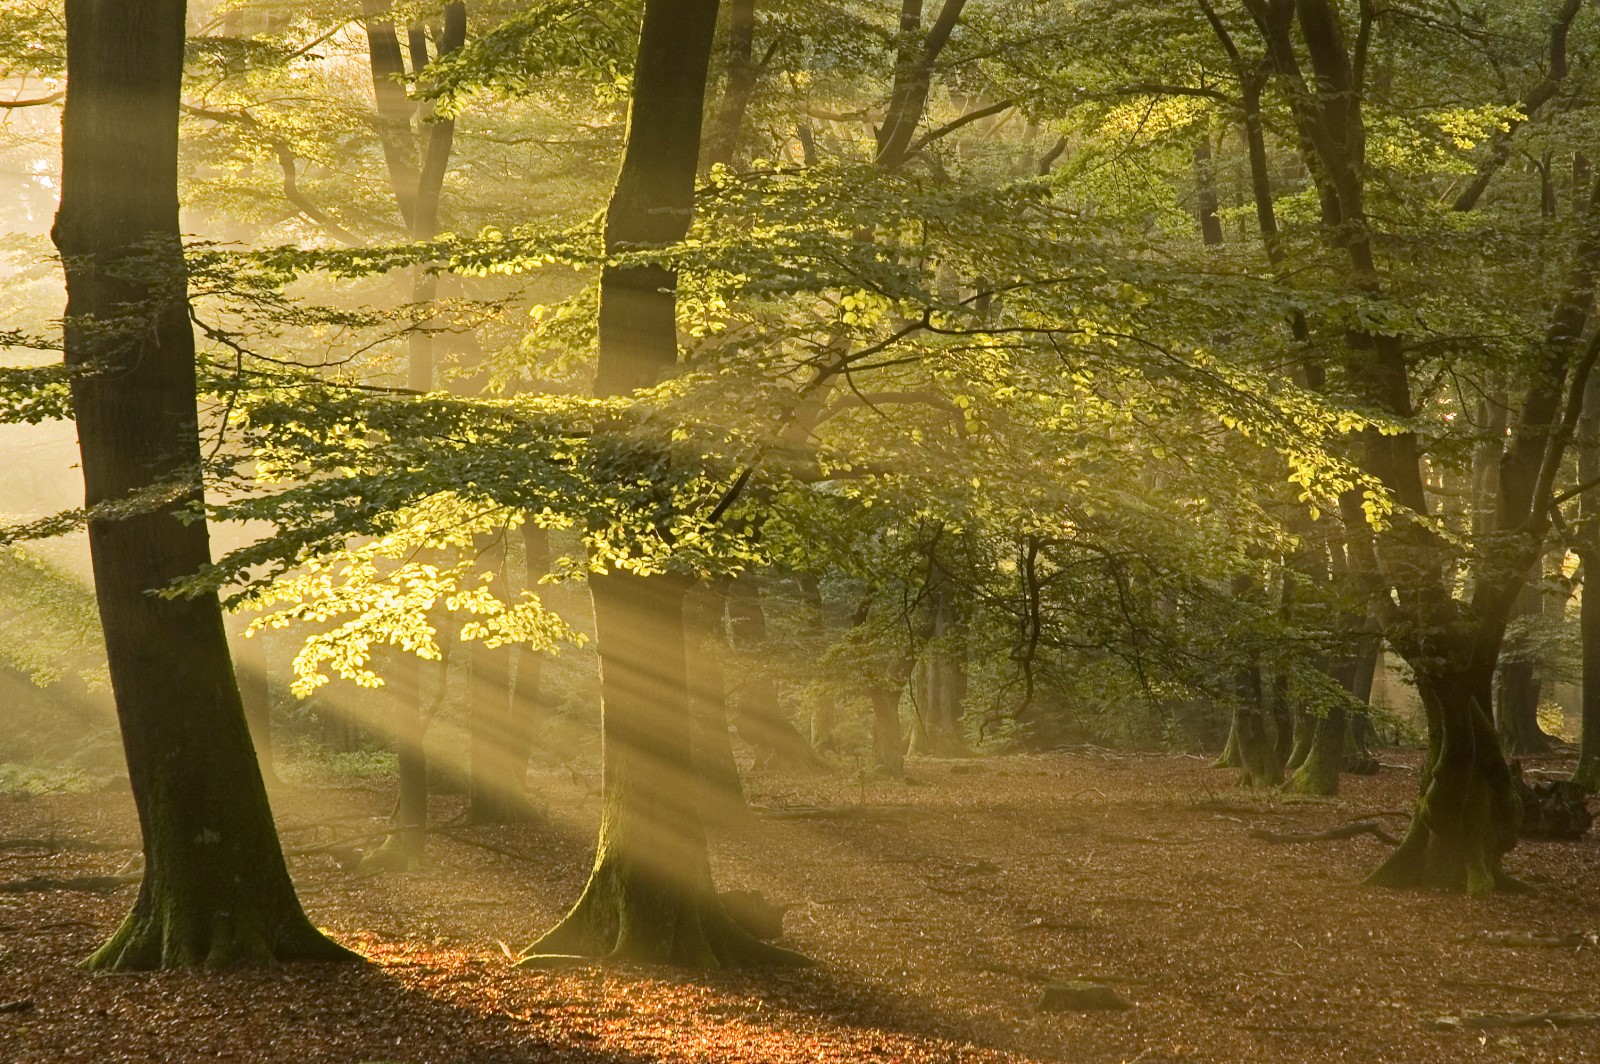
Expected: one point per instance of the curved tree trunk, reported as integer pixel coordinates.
(215, 889)
(1466, 820)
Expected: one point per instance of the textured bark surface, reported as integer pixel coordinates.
(1318, 771)
(1467, 817)
(650, 895)
(215, 890)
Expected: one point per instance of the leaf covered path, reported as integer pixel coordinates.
(937, 914)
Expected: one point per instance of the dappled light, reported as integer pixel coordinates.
(799, 530)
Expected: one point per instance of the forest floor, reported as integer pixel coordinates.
(937, 911)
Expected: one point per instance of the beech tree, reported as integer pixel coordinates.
(215, 889)
(650, 896)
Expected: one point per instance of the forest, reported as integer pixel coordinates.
(799, 530)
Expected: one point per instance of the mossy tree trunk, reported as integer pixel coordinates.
(650, 895)
(1467, 816)
(1466, 819)
(215, 890)
(1323, 760)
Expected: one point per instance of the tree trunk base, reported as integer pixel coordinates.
(1229, 758)
(157, 937)
(397, 853)
(1319, 769)
(626, 915)
(1466, 858)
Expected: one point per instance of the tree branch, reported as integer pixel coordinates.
(965, 120)
(1541, 94)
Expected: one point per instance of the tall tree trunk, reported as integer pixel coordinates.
(650, 896)
(416, 178)
(716, 770)
(1587, 772)
(255, 692)
(743, 72)
(215, 889)
(527, 695)
(1206, 193)
(497, 781)
(759, 718)
(1516, 710)
(913, 77)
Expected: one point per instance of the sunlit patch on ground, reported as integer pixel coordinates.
(937, 912)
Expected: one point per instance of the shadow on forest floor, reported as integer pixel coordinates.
(934, 927)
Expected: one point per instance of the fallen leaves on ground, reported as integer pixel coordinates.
(936, 926)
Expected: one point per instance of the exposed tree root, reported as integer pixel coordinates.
(1347, 831)
(157, 937)
(88, 884)
(1485, 1021)
(626, 915)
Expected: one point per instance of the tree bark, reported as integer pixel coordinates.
(715, 768)
(913, 77)
(497, 782)
(215, 889)
(650, 895)
(1516, 710)
(1587, 772)
(1466, 820)
(743, 71)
